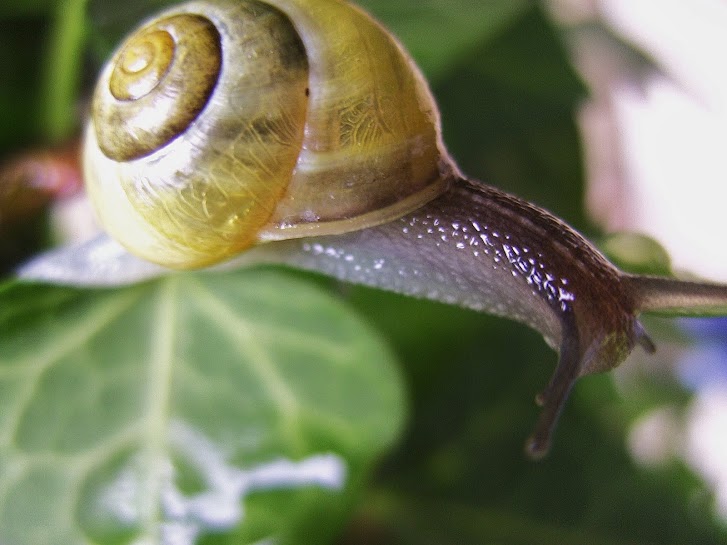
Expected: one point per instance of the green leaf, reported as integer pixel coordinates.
(440, 32)
(637, 253)
(244, 406)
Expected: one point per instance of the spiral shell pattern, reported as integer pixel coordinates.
(221, 124)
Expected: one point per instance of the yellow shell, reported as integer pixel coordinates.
(222, 124)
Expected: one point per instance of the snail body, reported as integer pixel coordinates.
(311, 139)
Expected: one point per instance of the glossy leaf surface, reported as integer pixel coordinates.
(237, 406)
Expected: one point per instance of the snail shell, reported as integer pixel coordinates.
(225, 123)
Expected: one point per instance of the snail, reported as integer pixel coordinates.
(300, 132)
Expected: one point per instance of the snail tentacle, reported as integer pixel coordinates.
(553, 398)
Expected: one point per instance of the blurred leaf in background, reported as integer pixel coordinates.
(21, 63)
(508, 93)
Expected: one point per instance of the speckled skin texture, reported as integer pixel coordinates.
(480, 248)
(483, 249)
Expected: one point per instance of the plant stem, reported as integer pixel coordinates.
(57, 117)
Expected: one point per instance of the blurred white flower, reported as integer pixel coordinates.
(706, 443)
(655, 141)
(655, 128)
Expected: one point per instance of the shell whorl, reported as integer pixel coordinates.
(204, 194)
(132, 120)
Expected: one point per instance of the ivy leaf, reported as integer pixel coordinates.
(238, 407)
